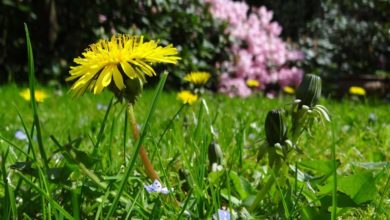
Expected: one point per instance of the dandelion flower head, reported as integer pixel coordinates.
(122, 57)
(187, 97)
(252, 83)
(289, 90)
(40, 95)
(356, 90)
(197, 78)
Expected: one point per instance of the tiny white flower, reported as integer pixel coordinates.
(216, 167)
(157, 187)
(20, 135)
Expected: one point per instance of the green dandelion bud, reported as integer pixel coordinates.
(309, 91)
(131, 92)
(275, 127)
(215, 154)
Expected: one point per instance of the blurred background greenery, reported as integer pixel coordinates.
(340, 39)
(60, 30)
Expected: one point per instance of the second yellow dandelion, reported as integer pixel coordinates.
(252, 83)
(40, 95)
(356, 90)
(198, 78)
(289, 90)
(187, 97)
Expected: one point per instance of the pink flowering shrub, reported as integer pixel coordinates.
(259, 52)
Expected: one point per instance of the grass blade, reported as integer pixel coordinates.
(16, 147)
(76, 203)
(185, 205)
(9, 199)
(43, 193)
(125, 136)
(139, 143)
(334, 188)
(31, 79)
(100, 135)
(284, 203)
(170, 124)
(383, 194)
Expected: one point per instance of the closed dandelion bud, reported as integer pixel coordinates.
(133, 89)
(215, 154)
(275, 127)
(309, 91)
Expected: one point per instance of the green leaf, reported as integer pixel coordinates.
(309, 213)
(320, 167)
(359, 187)
(234, 200)
(240, 185)
(25, 167)
(372, 165)
(214, 177)
(56, 174)
(46, 196)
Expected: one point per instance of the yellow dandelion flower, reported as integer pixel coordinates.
(197, 78)
(252, 83)
(187, 97)
(356, 90)
(122, 56)
(289, 90)
(40, 95)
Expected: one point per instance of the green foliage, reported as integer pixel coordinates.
(292, 15)
(339, 38)
(350, 38)
(61, 30)
(358, 140)
(101, 179)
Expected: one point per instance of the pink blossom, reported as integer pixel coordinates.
(102, 18)
(265, 56)
(233, 86)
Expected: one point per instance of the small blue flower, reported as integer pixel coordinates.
(20, 135)
(157, 187)
(222, 215)
(101, 107)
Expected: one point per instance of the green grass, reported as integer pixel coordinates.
(181, 159)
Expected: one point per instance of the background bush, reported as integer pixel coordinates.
(339, 38)
(60, 30)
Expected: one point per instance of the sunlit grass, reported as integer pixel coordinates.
(359, 136)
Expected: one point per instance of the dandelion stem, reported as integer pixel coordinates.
(263, 192)
(142, 152)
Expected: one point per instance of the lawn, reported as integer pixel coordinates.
(134, 115)
(359, 131)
